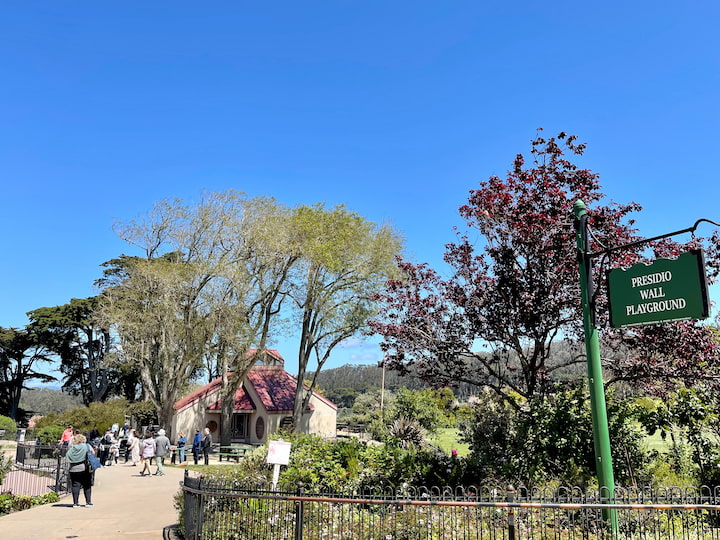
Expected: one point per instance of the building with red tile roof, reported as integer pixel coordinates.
(262, 405)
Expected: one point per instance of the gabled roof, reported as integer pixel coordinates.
(243, 402)
(274, 386)
(198, 394)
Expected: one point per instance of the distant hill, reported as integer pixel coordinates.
(343, 384)
(42, 401)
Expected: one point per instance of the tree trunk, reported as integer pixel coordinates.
(15, 393)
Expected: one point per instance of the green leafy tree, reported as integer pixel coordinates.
(70, 331)
(6, 465)
(212, 289)
(143, 412)
(690, 418)
(150, 303)
(21, 353)
(48, 432)
(422, 406)
(203, 295)
(344, 260)
(9, 426)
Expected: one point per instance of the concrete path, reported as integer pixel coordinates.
(126, 506)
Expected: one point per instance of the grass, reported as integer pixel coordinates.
(447, 440)
(656, 442)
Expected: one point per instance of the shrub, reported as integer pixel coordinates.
(15, 503)
(6, 465)
(426, 407)
(407, 432)
(49, 434)
(550, 438)
(6, 503)
(8, 424)
(102, 415)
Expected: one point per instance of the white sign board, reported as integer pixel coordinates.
(279, 453)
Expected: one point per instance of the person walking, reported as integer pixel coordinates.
(162, 446)
(196, 446)
(106, 444)
(80, 475)
(133, 449)
(148, 452)
(181, 442)
(206, 444)
(66, 436)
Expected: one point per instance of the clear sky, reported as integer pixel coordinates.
(394, 108)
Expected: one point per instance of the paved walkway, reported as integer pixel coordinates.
(126, 506)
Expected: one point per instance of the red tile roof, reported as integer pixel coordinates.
(243, 402)
(274, 386)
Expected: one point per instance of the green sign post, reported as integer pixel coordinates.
(598, 409)
(666, 290)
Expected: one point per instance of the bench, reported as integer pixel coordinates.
(232, 452)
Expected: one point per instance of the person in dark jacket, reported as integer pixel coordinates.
(106, 444)
(206, 444)
(197, 443)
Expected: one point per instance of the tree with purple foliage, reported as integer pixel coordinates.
(516, 295)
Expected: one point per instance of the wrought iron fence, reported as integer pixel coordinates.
(37, 470)
(216, 510)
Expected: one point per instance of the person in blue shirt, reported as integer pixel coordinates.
(181, 442)
(196, 446)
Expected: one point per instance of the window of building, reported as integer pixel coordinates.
(239, 426)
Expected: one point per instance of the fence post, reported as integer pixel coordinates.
(511, 513)
(199, 510)
(189, 503)
(58, 474)
(299, 511)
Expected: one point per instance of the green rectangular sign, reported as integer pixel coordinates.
(665, 290)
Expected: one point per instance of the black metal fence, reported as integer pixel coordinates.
(37, 470)
(215, 510)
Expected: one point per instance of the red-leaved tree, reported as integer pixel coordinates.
(515, 294)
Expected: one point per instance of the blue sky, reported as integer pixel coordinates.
(396, 109)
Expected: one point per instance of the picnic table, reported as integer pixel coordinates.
(233, 451)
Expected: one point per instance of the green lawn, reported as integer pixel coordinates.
(446, 439)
